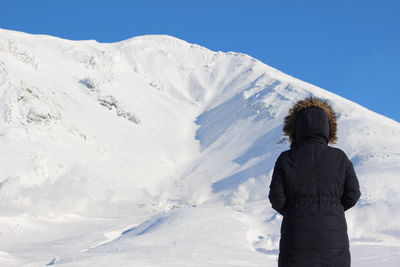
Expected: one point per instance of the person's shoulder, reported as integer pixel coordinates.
(279, 162)
(335, 149)
(338, 152)
(284, 154)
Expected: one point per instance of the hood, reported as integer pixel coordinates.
(311, 119)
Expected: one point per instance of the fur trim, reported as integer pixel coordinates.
(288, 127)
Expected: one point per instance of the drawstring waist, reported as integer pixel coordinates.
(320, 200)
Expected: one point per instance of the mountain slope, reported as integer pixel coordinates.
(153, 123)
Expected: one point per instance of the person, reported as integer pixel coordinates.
(312, 185)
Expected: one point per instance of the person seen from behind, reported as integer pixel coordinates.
(312, 185)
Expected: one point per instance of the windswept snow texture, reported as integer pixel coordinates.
(156, 152)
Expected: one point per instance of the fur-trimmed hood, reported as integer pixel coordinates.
(289, 127)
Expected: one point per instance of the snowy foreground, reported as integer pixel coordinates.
(156, 152)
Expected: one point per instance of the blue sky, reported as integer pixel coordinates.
(349, 47)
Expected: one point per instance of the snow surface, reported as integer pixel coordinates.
(157, 152)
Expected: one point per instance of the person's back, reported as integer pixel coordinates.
(312, 185)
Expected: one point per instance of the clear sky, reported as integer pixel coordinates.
(349, 47)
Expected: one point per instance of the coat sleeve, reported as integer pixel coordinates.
(276, 194)
(351, 189)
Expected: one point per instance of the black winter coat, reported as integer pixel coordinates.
(312, 185)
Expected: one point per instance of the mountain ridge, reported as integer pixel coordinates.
(138, 127)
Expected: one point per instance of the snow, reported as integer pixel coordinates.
(157, 152)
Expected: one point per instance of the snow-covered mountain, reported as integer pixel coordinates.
(157, 152)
